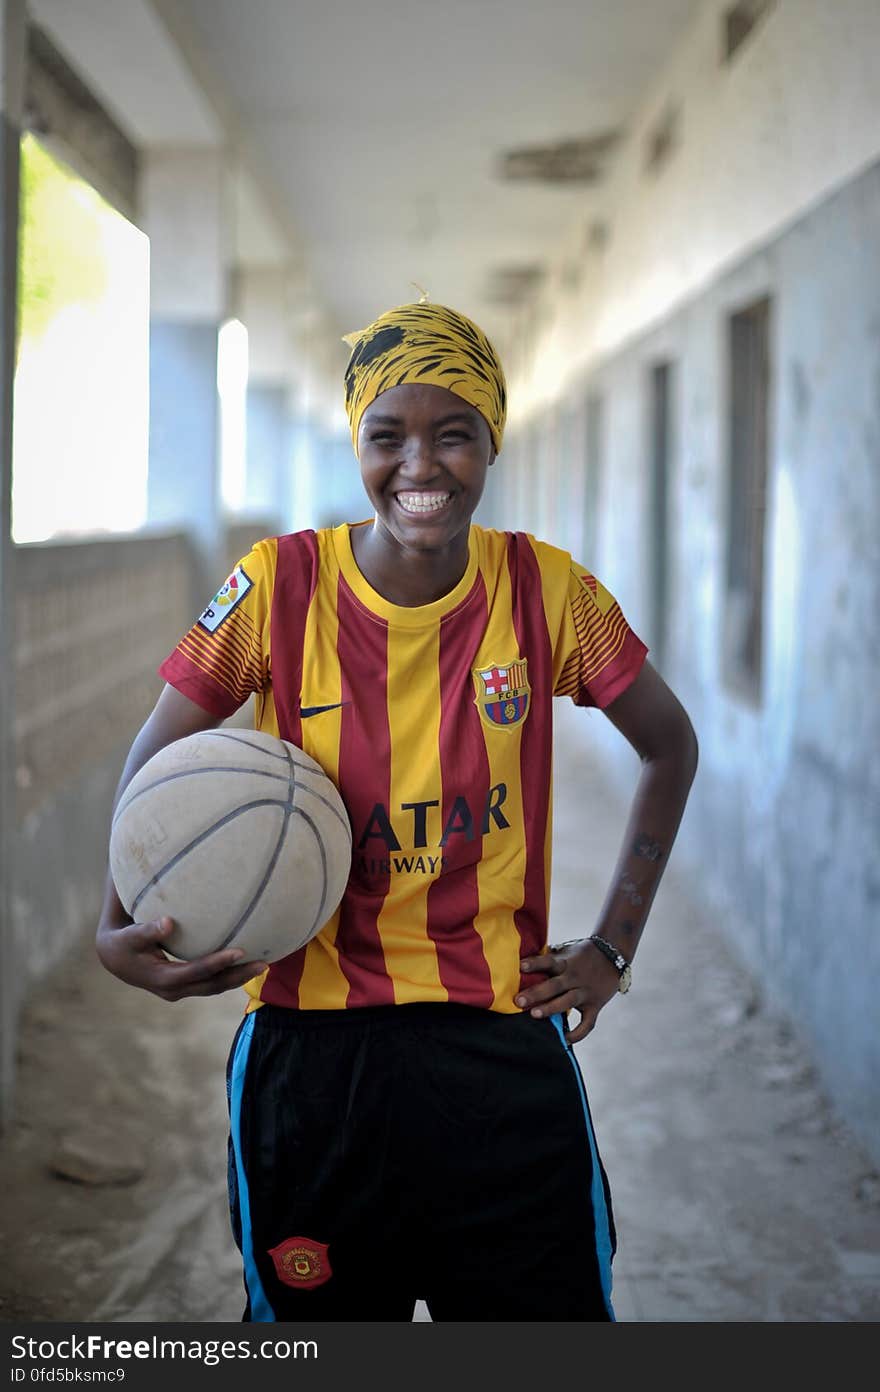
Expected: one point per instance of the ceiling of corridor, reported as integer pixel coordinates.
(381, 127)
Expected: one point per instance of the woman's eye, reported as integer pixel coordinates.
(454, 437)
(383, 438)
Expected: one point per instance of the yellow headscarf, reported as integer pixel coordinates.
(430, 344)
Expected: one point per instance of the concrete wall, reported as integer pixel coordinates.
(92, 622)
(782, 825)
(94, 619)
(757, 142)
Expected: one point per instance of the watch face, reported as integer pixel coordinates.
(626, 977)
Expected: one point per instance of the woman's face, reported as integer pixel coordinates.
(423, 453)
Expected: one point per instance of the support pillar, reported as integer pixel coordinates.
(183, 211)
(268, 452)
(263, 295)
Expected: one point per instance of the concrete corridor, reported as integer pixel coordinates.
(738, 1194)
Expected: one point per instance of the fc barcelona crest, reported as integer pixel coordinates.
(503, 693)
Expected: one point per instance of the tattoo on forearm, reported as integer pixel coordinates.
(630, 890)
(646, 848)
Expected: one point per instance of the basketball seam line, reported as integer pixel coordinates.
(319, 916)
(188, 773)
(203, 836)
(285, 754)
(217, 768)
(258, 893)
(328, 804)
(236, 739)
(314, 769)
(261, 887)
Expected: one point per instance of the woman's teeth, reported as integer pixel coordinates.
(423, 502)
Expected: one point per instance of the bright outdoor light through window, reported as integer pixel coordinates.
(81, 407)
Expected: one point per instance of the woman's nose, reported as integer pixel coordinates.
(418, 460)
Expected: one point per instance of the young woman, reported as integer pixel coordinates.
(407, 1116)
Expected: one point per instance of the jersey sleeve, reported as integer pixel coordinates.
(225, 656)
(597, 654)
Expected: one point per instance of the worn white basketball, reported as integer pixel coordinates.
(240, 837)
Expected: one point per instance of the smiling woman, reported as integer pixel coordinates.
(407, 1117)
(424, 456)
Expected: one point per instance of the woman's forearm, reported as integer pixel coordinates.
(655, 815)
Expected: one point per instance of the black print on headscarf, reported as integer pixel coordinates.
(368, 350)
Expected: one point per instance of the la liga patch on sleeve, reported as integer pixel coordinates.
(227, 597)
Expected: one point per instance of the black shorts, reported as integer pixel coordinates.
(439, 1152)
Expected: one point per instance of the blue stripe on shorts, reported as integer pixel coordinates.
(260, 1309)
(600, 1208)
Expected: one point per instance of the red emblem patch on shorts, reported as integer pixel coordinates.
(301, 1262)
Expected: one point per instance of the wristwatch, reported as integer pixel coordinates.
(617, 959)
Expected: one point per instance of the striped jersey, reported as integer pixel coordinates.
(435, 723)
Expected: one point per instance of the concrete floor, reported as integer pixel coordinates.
(738, 1194)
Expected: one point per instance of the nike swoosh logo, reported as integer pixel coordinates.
(306, 711)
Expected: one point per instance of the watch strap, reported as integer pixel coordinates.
(614, 954)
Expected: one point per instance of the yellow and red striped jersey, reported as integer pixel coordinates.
(435, 723)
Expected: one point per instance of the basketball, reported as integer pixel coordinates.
(240, 837)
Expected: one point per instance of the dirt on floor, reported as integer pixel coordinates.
(120, 1113)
